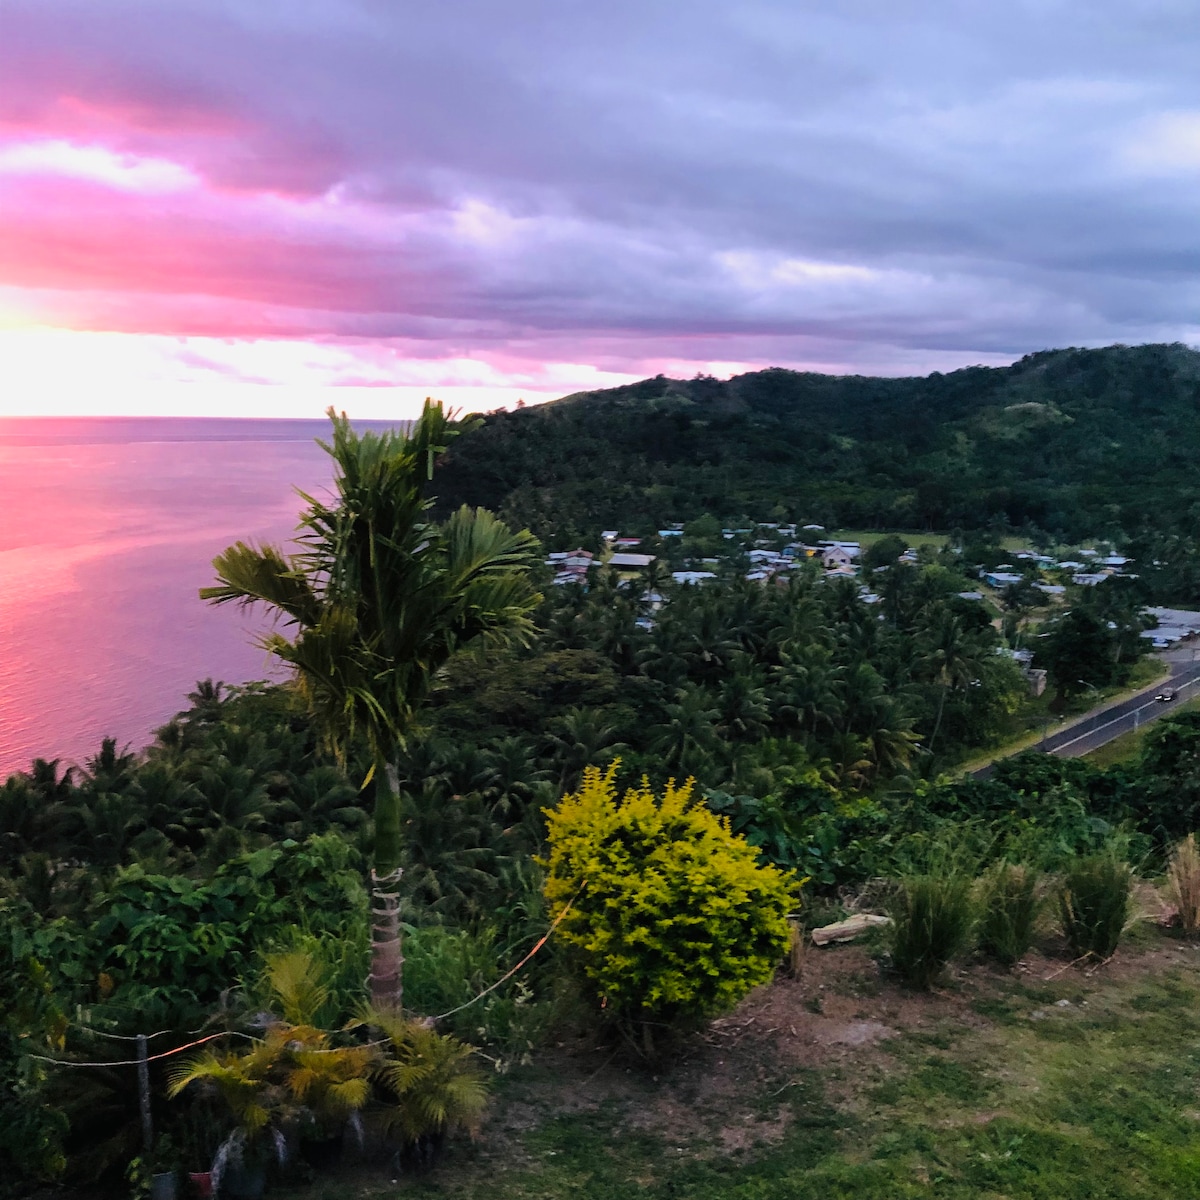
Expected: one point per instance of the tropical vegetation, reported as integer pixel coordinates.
(595, 807)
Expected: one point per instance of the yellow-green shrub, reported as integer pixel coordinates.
(678, 920)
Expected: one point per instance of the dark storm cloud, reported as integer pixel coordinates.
(884, 186)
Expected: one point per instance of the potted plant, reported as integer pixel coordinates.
(154, 1175)
(258, 1107)
(332, 1083)
(328, 1084)
(291, 1082)
(429, 1084)
(164, 1164)
(201, 1134)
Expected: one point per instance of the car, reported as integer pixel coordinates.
(1166, 695)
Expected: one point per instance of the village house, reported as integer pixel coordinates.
(838, 557)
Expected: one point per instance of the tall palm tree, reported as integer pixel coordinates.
(377, 600)
(952, 658)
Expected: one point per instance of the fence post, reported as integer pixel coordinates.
(144, 1092)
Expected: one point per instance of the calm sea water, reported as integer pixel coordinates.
(107, 529)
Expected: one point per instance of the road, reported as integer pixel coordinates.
(1109, 722)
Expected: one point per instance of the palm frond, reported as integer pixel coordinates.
(262, 575)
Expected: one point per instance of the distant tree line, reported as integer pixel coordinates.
(1063, 445)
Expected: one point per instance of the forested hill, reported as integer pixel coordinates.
(1076, 442)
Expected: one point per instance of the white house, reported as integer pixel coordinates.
(833, 557)
(631, 561)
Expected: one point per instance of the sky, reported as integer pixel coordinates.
(262, 208)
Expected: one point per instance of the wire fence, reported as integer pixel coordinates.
(141, 1038)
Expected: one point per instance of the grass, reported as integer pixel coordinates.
(868, 537)
(915, 538)
(992, 1089)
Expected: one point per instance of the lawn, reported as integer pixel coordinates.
(1049, 1083)
(868, 537)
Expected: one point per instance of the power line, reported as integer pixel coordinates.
(133, 1062)
(509, 974)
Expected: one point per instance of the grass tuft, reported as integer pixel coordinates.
(1095, 904)
(1008, 911)
(1183, 883)
(932, 918)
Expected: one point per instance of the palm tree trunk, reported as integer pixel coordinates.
(387, 960)
(938, 723)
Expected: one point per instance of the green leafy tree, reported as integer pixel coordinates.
(1078, 651)
(884, 552)
(379, 598)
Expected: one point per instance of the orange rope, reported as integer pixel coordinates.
(509, 974)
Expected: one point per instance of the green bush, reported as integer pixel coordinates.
(1008, 911)
(672, 918)
(932, 913)
(31, 1130)
(170, 945)
(1095, 903)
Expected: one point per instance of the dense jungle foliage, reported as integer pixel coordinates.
(146, 892)
(1071, 443)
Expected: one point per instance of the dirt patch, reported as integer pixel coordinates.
(855, 1033)
(815, 1044)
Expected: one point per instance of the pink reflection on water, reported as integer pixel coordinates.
(107, 530)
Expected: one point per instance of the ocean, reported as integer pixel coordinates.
(108, 527)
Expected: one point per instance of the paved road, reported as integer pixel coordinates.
(1101, 726)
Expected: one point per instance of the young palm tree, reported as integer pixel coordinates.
(376, 602)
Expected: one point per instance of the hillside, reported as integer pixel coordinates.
(1075, 442)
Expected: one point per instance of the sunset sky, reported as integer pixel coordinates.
(262, 207)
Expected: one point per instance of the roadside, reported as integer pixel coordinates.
(1051, 736)
(1127, 746)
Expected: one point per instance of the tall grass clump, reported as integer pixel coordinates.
(933, 914)
(1008, 911)
(1183, 883)
(1095, 903)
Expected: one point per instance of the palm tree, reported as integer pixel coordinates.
(580, 738)
(806, 689)
(377, 601)
(742, 708)
(687, 733)
(951, 656)
(515, 777)
(315, 801)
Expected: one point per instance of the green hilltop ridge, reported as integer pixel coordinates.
(1075, 442)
